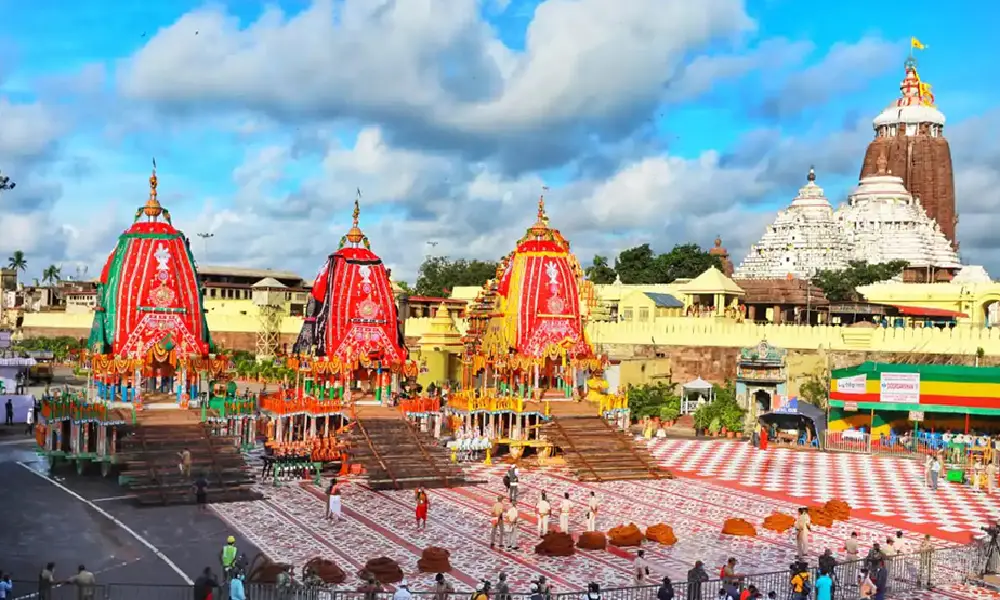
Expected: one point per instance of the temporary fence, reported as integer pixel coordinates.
(861, 442)
(905, 574)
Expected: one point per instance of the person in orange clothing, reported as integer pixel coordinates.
(763, 438)
(422, 505)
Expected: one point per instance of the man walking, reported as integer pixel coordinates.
(496, 522)
(510, 518)
(592, 505)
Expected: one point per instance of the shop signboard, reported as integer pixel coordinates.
(855, 384)
(900, 388)
(917, 416)
(851, 406)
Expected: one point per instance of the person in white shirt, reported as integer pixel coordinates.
(640, 570)
(935, 472)
(544, 510)
(802, 526)
(592, 505)
(510, 519)
(564, 508)
(402, 591)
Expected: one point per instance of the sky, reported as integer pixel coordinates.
(649, 121)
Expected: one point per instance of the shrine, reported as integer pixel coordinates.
(761, 379)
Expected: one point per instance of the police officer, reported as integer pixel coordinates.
(228, 557)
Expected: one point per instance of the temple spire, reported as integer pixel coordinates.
(811, 177)
(355, 235)
(152, 209)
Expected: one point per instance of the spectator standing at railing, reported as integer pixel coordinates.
(695, 578)
(503, 588)
(881, 577)
(85, 583)
(991, 477)
(46, 579)
(402, 591)
(666, 590)
(926, 561)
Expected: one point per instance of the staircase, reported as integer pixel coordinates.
(152, 458)
(682, 427)
(398, 456)
(595, 451)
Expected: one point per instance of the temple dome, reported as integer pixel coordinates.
(537, 309)
(802, 240)
(351, 314)
(882, 222)
(148, 294)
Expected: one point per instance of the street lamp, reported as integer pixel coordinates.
(205, 237)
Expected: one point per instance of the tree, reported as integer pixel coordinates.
(686, 261)
(816, 389)
(640, 265)
(841, 285)
(52, 274)
(17, 262)
(600, 271)
(439, 275)
(5, 183)
(654, 400)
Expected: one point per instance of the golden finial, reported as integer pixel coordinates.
(152, 209)
(355, 235)
(541, 226)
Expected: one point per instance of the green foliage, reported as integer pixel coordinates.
(651, 399)
(17, 261)
(439, 275)
(816, 389)
(265, 370)
(723, 409)
(715, 426)
(601, 271)
(59, 346)
(671, 409)
(842, 285)
(52, 274)
(640, 265)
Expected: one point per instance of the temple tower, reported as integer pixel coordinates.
(909, 133)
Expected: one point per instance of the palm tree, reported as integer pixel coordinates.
(52, 274)
(16, 260)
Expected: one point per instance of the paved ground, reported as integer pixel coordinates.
(885, 489)
(85, 520)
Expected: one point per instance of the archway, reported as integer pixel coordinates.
(762, 401)
(991, 313)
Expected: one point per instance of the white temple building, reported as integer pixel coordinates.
(804, 238)
(881, 222)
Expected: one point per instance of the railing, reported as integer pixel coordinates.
(419, 406)
(468, 403)
(862, 442)
(276, 404)
(906, 574)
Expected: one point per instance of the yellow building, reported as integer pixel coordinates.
(439, 352)
(644, 307)
(711, 293)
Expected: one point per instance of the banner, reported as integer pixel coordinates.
(902, 388)
(855, 384)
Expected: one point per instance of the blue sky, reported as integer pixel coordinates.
(677, 124)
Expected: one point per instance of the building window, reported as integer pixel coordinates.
(627, 314)
(643, 314)
(212, 293)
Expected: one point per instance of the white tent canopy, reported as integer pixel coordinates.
(697, 385)
(695, 392)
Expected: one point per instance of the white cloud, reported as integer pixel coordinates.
(433, 71)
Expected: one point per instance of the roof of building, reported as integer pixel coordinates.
(972, 274)
(712, 281)
(782, 291)
(664, 300)
(268, 282)
(246, 272)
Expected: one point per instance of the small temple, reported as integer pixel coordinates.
(802, 240)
